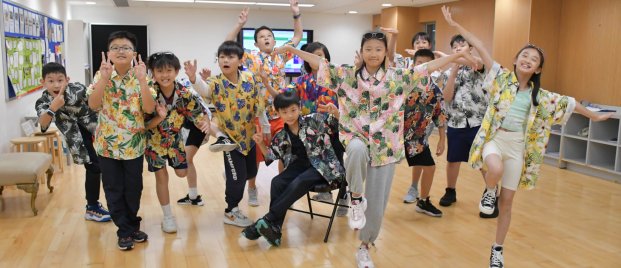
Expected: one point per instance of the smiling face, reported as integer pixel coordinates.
(290, 114)
(421, 44)
(165, 76)
(121, 51)
(373, 53)
(229, 64)
(54, 82)
(460, 46)
(528, 61)
(265, 41)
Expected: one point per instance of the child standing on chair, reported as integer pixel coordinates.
(66, 105)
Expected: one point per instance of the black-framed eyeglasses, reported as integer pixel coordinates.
(374, 35)
(121, 49)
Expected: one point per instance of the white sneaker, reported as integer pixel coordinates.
(253, 197)
(326, 197)
(411, 196)
(488, 202)
(363, 259)
(169, 225)
(342, 211)
(496, 260)
(356, 214)
(237, 218)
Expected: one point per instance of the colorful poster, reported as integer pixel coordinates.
(24, 63)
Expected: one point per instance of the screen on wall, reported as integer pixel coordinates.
(99, 41)
(293, 66)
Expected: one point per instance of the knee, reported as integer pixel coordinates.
(181, 173)
(494, 168)
(356, 149)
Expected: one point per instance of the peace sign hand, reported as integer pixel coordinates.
(105, 69)
(140, 69)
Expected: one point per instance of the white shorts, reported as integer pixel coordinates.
(510, 147)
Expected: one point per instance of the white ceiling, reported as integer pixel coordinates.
(321, 6)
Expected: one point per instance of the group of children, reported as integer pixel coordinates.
(376, 113)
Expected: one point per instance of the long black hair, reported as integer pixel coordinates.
(310, 48)
(536, 77)
(370, 36)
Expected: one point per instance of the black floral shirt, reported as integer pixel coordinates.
(469, 99)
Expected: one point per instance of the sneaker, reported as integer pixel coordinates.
(187, 201)
(411, 196)
(493, 215)
(449, 197)
(253, 197)
(425, 206)
(139, 236)
(363, 259)
(356, 214)
(340, 210)
(270, 231)
(169, 225)
(222, 144)
(488, 202)
(237, 218)
(97, 213)
(125, 243)
(325, 197)
(496, 260)
(251, 232)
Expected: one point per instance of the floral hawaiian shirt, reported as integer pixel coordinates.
(75, 112)
(552, 109)
(274, 66)
(165, 142)
(422, 109)
(372, 106)
(311, 95)
(316, 132)
(121, 132)
(236, 107)
(469, 98)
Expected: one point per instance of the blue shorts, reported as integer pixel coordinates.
(459, 143)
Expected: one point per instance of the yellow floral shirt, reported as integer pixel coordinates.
(121, 132)
(553, 109)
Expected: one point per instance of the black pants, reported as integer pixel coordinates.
(122, 182)
(92, 185)
(238, 168)
(289, 186)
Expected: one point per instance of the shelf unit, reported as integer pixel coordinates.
(596, 154)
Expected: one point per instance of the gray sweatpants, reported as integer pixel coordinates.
(376, 189)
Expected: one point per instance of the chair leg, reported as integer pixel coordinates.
(336, 205)
(32, 189)
(310, 206)
(50, 174)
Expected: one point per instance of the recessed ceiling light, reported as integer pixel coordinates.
(352, 12)
(387, 5)
(90, 3)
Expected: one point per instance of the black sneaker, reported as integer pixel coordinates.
(222, 144)
(125, 243)
(139, 236)
(425, 206)
(493, 215)
(270, 231)
(251, 232)
(187, 201)
(496, 260)
(488, 202)
(449, 197)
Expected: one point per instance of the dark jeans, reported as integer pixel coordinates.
(92, 184)
(289, 186)
(238, 168)
(122, 182)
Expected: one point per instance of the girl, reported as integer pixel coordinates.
(176, 103)
(515, 129)
(371, 102)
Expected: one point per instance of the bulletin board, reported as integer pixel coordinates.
(31, 39)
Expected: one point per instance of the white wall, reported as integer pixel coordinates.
(13, 112)
(197, 33)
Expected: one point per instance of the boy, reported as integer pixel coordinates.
(122, 94)
(237, 98)
(176, 103)
(305, 147)
(66, 105)
(265, 60)
(421, 111)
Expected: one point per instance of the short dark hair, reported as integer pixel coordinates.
(286, 99)
(123, 35)
(51, 68)
(163, 59)
(256, 32)
(231, 48)
(310, 48)
(458, 38)
(423, 36)
(424, 53)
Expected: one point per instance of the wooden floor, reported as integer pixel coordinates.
(570, 220)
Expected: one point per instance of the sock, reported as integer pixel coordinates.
(491, 189)
(357, 199)
(193, 193)
(167, 210)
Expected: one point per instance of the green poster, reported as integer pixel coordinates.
(24, 63)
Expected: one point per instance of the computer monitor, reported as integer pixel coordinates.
(292, 67)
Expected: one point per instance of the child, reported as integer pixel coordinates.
(371, 102)
(122, 94)
(237, 98)
(65, 104)
(422, 111)
(305, 146)
(515, 129)
(176, 104)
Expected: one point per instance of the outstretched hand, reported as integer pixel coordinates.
(295, 8)
(140, 69)
(243, 16)
(190, 70)
(205, 73)
(602, 117)
(391, 31)
(358, 60)
(447, 16)
(328, 108)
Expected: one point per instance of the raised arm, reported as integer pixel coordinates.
(95, 99)
(312, 59)
(243, 18)
(297, 22)
(590, 114)
(438, 63)
(148, 101)
(471, 38)
(392, 34)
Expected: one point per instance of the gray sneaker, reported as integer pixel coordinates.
(253, 197)
(342, 211)
(411, 196)
(237, 218)
(326, 197)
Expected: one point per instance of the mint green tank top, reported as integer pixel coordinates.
(515, 120)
